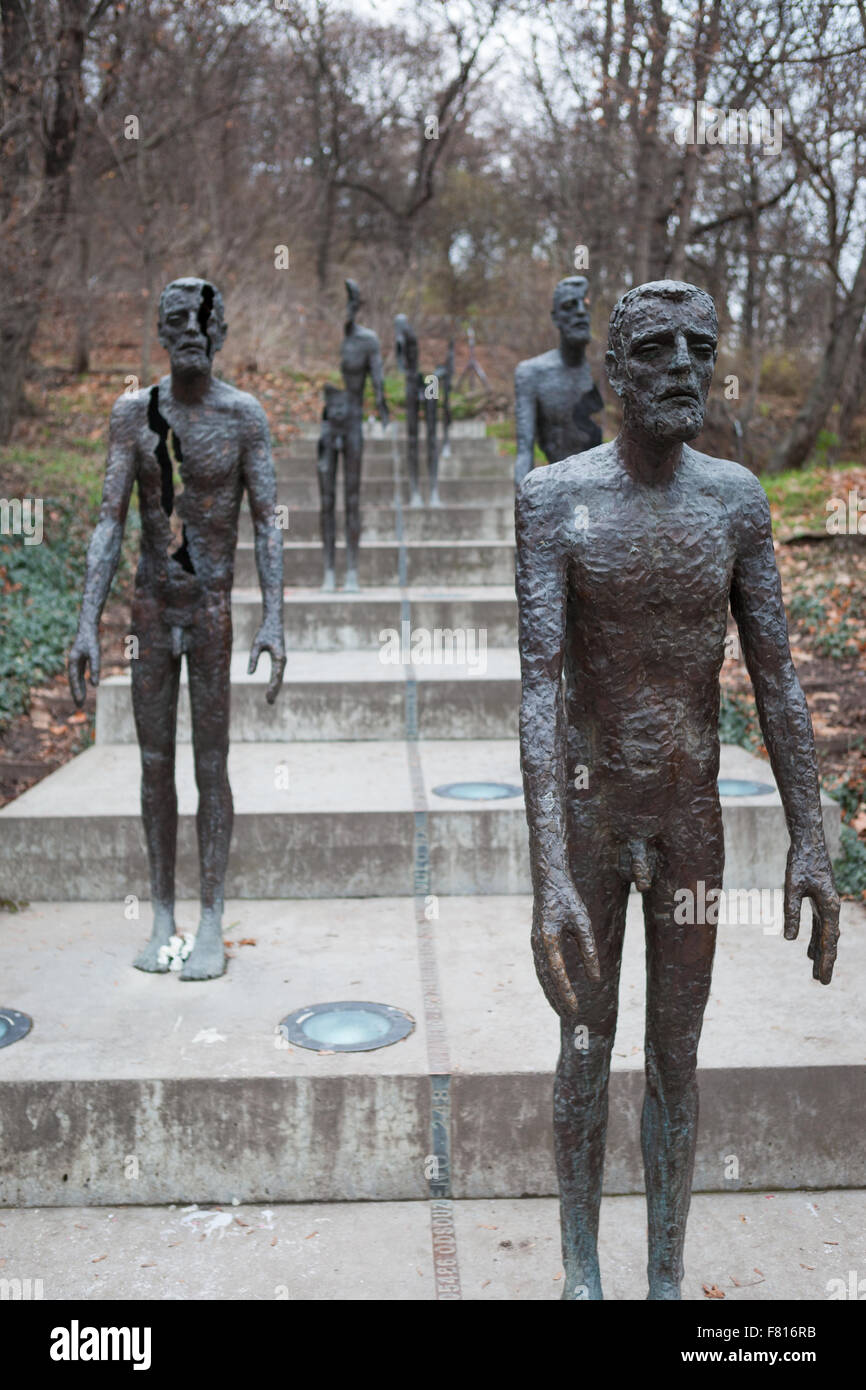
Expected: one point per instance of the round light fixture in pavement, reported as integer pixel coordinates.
(349, 1025)
(478, 791)
(13, 1025)
(738, 786)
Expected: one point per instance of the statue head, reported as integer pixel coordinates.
(191, 324)
(405, 344)
(570, 310)
(662, 344)
(353, 301)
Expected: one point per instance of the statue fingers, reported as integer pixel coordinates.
(824, 940)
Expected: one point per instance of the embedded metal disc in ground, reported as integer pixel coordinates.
(736, 786)
(478, 791)
(349, 1025)
(13, 1026)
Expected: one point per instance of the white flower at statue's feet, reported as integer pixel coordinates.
(175, 952)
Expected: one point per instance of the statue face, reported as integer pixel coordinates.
(570, 310)
(190, 328)
(665, 365)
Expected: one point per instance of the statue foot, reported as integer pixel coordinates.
(329, 582)
(435, 500)
(664, 1291)
(207, 960)
(416, 500)
(580, 1288)
(351, 585)
(148, 959)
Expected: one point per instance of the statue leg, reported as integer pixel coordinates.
(445, 451)
(430, 413)
(581, 1085)
(326, 467)
(155, 680)
(208, 665)
(352, 456)
(679, 969)
(415, 499)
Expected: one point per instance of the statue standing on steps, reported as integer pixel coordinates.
(218, 437)
(555, 396)
(406, 346)
(342, 432)
(627, 558)
(445, 377)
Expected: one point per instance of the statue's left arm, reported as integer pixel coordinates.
(261, 484)
(756, 603)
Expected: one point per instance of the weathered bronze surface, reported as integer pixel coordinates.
(555, 396)
(406, 348)
(342, 433)
(627, 558)
(220, 442)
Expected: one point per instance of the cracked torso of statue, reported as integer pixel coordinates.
(192, 445)
(555, 396)
(628, 557)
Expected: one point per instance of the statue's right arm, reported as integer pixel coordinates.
(104, 550)
(524, 414)
(541, 588)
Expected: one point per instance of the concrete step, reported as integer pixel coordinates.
(453, 523)
(498, 1250)
(317, 820)
(140, 1089)
(428, 563)
(473, 693)
(483, 492)
(379, 466)
(315, 621)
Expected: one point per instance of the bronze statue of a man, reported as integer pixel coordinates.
(342, 431)
(627, 558)
(182, 605)
(555, 396)
(406, 350)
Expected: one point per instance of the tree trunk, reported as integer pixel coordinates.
(798, 443)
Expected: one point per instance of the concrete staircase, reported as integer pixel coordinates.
(356, 877)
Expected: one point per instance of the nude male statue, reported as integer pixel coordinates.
(360, 357)
(406, 349)
(555, 396)
(627, 558)
(182, 603)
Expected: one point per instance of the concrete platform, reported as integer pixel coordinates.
(754, 1247)
(314, 621)
(349, 695)
(194, 1082)
(319, 819)
(428, 563)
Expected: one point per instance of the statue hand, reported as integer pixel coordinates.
(809, 875)
(559, 910)
(269, 638)
(84, 652)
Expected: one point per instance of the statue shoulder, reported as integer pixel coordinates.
(528, 370)
(740, 489)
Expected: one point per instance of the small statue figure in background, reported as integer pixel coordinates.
(183, 586)
(555, 396)
(445, 378)
(406, 347)
(342, 432)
